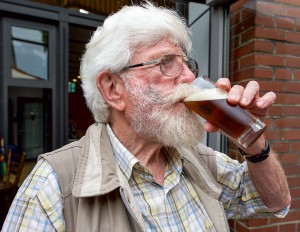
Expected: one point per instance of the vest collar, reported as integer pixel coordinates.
(97, 171)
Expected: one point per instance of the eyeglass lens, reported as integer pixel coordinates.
(171, 65)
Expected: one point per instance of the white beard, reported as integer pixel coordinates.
(157, 115)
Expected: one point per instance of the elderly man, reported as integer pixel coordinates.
(141, 166)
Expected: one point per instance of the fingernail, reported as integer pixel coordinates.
(233, 97)
(244, 100)
(260, 103)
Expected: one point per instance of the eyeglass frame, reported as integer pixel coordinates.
(185, 59)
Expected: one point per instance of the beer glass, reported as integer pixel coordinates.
(212, 105)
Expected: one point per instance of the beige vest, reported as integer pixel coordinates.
(97, 196)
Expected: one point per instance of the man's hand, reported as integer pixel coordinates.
(268, 176)
(247, 97)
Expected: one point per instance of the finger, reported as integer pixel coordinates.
(261, 106)
(210, 127)
(250, 93)
(223, 83)
(235, 94)
(266, 101)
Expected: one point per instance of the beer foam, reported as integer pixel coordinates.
(208, 94)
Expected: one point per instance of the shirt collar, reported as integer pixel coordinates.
(127, 161)
(124, 158)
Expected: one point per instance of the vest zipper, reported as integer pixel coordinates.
(128, 208)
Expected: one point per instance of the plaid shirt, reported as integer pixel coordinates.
(174, 206)
(38, 204)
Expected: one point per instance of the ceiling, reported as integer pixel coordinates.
(103, 7)
(79, 36)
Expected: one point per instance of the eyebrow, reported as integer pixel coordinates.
(157, 55)
(161, 54)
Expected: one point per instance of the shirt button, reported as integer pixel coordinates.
(207, 226)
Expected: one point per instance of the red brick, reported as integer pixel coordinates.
(248, 35)
(288, 48)
(270, 60)
(247, 61)
(244, 25)
(297, 25)
(238, 5)
(293, 36)
(292, 134)
(276, 110)
(264, 46)
(296, 74)
(241, 228)
(292, 2)
(246, 49)
(231, 223)
(260, 72)
(266, 229)
(246, 74)
(256, 222)
(290, 217)
(287, 123)
(292, 87)
(247, 11)
(295, 204)
(281, 73)
(233, 66)
(270, 33)
(234, 41)
(287, 98)
(293, 62)
(296, 147)
(276, 86)
(281, 146)
(288, 227)
(273, 135)
(295, 192)
(270, 122)
(292, 111)
(286, 23)
(293, 12)
(265, 20)
(235, 18)
(292, 169)
(290, 158)
(271, 8)
(294, 182)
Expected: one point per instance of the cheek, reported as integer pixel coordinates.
(155, 78)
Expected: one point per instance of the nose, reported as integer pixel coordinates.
(186, 76)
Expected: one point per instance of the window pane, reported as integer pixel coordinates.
(30, 54)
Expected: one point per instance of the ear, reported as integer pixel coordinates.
(112, 89)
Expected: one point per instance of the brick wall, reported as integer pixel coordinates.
(265, 46)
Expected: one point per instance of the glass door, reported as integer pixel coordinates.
(80, 118)
(31, 113)
(29, 86)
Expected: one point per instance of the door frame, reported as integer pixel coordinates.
(57, 21)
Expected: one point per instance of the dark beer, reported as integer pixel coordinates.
(235, 122)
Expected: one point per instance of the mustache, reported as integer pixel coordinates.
(171, 97)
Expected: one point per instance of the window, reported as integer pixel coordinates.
(29, 53)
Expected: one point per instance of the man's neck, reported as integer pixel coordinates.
(151, 154)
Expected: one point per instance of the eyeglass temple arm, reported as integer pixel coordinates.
(143, 64)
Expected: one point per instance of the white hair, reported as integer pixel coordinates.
(115, 42)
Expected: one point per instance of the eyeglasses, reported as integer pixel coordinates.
(171, 65)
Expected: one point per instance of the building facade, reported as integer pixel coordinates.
(265, 46)
(41, 102)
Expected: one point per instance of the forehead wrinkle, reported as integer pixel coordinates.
(162, 53)
(159, 55)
